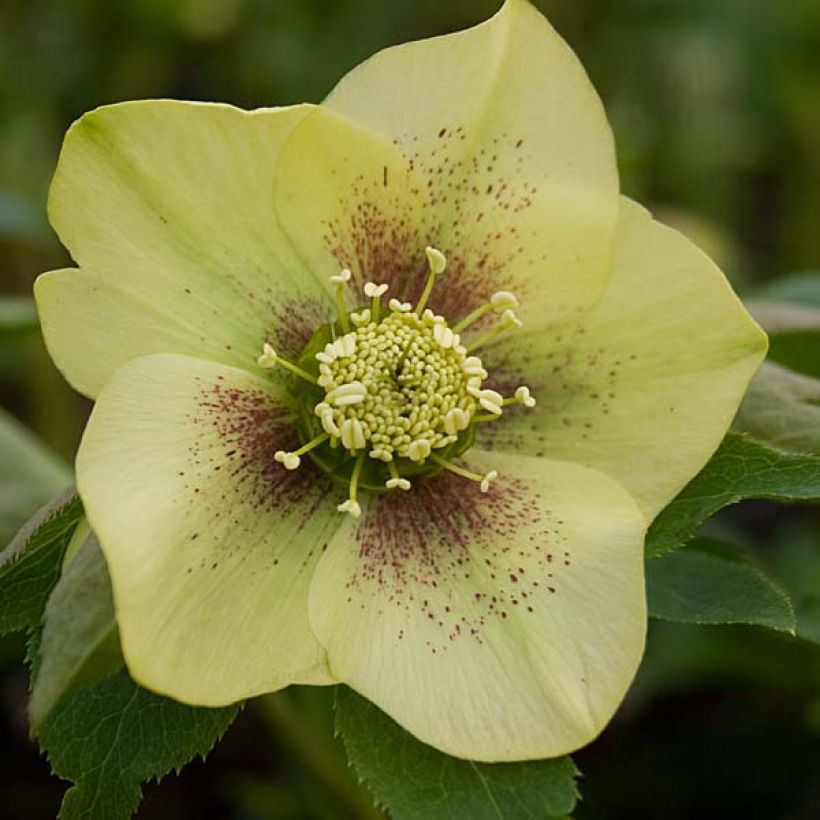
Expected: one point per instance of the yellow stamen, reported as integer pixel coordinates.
(291, 461)
(508, 320)
(340, 281)
(270, 358)
(483, 480)
(351, 505)
(395, 479)
(501, 300)
(437, 263)
(375, 292)
(522, 396)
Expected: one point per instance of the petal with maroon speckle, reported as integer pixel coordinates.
(514, 156)
(210, 543)
(167, 207)
(497, 626)
(647, 385)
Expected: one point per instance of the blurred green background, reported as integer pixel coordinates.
(716, 110)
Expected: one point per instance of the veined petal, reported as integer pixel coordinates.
(349, 199)
(211, 544)
(646, 386)
(168, 208)
(514, 154)
(497, 626)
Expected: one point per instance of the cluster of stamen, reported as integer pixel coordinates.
(400, 384)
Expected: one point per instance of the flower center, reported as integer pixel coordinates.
(392, 396)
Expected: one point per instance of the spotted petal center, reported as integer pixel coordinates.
(398, 387)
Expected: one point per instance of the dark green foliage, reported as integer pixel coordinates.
(708, 583)
(412, 780)
(30, 565)
(112, 736)
(740, 469)
(79, 641)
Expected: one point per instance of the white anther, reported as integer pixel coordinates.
(399, 307)
(490, 400)
(509, 318)
(358, 435)
(321, 408)
(372, 290)
(325, 413)
(345, 346)
(418, 449)
(443, 335)
(351, 507)
(522, 394)
(436, 259)
(432, 317)
(342, 277)
(358, 319)
(455, 421)
(351, 393)
(268, 357)
(290, 461)
(472, 366)
(503, 299)
(330, 350)
(326, 381)
(401, 483)
(347, 433)
(485, 482)
(381, 455)
(329, 425)
(352, 434)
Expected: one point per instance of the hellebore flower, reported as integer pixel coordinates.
(287, 313)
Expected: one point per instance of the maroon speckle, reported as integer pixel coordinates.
(444, 194)
(237, 432)
(421, 541)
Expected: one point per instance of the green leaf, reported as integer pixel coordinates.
(110, 737)
(782, 408)
(794, 334)
(709, 583)
(798, 350)
(30, 565)
(740, 469)
(413, 781)
(30, 475)
(80, 641)
(808, 618)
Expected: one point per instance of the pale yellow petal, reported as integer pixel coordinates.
(512, 158)
(645, 387)
(497, 626)
(168, 208)
(211, 544)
